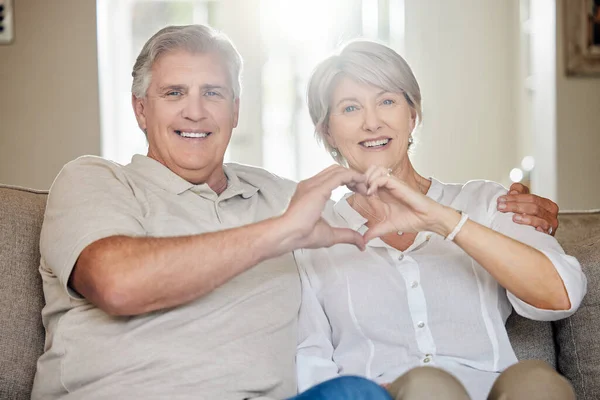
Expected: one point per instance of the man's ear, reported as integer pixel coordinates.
(236, 112)
(139, 108)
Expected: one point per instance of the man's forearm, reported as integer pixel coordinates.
(129, 276)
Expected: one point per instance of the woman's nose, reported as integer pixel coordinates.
(371, 121)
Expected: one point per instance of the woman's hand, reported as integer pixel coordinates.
(401, 208)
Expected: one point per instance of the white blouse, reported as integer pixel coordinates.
(381, 312)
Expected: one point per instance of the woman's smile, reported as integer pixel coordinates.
(377, 144)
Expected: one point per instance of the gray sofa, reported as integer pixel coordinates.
(571, 345)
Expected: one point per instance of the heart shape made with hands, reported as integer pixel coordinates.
(396, 207)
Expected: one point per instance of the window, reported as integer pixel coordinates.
(280, 40)
(123, 28)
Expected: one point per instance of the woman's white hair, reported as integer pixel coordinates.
(193, 38)
(366, 62)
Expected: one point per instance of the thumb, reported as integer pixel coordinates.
(349, 236)
(377, 230)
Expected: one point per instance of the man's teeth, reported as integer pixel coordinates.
(373, 143)
(193, 134)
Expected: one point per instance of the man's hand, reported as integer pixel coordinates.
(303, 215)
(529, 209)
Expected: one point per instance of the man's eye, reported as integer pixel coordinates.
(174, 93)
(388, 102)
(212, 93)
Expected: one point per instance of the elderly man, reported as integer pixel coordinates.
(173, 276)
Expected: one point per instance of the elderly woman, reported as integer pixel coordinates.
(422, 311)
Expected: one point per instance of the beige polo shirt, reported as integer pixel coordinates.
(237, 342)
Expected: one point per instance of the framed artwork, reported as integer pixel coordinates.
(582, 37)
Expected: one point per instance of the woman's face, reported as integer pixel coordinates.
(369, 126)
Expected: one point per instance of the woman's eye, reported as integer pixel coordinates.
(388, 102)
(350, 109)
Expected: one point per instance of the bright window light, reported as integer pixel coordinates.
(516, 175)
(281, 44)
(528, 163)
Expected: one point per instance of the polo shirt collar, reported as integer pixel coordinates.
(235, 186)
(169, 181)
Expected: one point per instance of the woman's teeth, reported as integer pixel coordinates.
(192, 134)
(375, 143)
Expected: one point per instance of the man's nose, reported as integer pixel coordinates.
(194, 108)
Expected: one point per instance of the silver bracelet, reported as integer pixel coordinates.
(463, 219)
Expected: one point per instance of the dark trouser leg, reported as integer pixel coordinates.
(345, 388)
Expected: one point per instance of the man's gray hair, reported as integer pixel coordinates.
(193, 38)
(366, 62)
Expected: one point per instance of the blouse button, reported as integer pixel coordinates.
(421, 324)
(414, 284)
(401, 257)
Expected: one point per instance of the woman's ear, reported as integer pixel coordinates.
(413, 119)
(325, 133)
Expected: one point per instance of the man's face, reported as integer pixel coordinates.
(189, 113)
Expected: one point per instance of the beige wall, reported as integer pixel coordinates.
(463, 53)
(578, 133)
(49, 111)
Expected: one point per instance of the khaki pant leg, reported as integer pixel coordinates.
(531, 380)
(427, 383)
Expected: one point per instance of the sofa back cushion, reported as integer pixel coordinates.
(578, 337)
(21, 296)
(531, 340)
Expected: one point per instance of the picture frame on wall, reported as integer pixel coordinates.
(582, 37)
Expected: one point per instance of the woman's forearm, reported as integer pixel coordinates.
(522, 270)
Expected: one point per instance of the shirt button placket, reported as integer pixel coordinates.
(218, 208)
